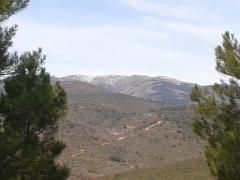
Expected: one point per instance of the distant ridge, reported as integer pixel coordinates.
(80, 87)
(166, 90)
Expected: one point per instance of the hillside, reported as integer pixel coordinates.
(108, 133)
(79, 87)
(168, 91)
(186, 170)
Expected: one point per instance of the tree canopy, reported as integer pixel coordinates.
(219, 113)
(10, 7)
(30, 108)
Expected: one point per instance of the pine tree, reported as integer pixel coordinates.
(10, 7)
(30, 108)
(219, 113)
(8, 60)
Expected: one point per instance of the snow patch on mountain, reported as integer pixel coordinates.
(160, 88)
(83, 78)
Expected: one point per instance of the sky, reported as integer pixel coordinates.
(174, 38)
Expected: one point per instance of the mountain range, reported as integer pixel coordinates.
(109, 131)
(113, 121)
(167, 91)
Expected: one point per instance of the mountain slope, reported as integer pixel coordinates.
(110, 133)
(79, 87)
(165, 90)
(83, 92)
(186, 170)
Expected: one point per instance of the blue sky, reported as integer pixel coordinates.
(174, 38)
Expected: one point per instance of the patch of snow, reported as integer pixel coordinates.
(83, 78)
(170, 80)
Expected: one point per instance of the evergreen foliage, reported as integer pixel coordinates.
(8, 60)
(219, 113)
(10, 7)
(30, 108)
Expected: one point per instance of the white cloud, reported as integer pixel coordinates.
(153, 47)
(173, 38)
(179, 9)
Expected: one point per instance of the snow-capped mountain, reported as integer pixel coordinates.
(83, 78)
(162, 89)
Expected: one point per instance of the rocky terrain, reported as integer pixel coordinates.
(109, 133)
